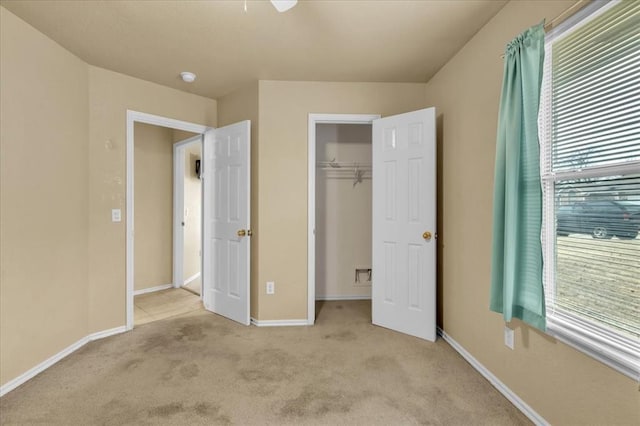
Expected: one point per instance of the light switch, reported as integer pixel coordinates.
(116, 215)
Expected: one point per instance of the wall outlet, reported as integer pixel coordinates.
(116, 216)
(508, 338)
(271, 287)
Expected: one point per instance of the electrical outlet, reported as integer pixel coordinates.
(271, 287)
(508, 338)
(116, 215)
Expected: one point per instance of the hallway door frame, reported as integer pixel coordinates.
(156, 120)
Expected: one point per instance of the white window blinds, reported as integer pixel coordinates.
(596, 91)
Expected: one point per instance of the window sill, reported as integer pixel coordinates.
(621, 354)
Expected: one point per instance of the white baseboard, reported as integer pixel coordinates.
(278, 323)
(12, 384)
(152, 289)
(191, 278)
(106, 333)
(333, 298)
(502, 388)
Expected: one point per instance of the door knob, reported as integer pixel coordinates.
(426, 235)
(241, 233)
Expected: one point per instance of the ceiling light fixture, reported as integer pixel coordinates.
(283, 5)
(188, 77)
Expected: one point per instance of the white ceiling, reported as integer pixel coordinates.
(319, 40)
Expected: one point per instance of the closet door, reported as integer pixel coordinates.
(404, 223)
(226, 221)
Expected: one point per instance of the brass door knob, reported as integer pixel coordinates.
(426, 235)
(241, 233)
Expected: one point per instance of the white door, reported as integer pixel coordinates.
(226, 245)
(404, 223)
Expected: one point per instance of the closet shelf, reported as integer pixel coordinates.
(346, 170)
(343, 165)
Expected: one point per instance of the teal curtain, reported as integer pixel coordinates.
(516, 274)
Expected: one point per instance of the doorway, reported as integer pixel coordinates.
(167, 197)
(343, 211)
(339, 174)
(166, 280)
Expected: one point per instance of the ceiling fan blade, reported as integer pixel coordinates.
(283, 5)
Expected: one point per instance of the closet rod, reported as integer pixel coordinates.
(342, 165)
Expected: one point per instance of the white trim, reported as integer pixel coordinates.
(106, 333)
(31, 373)
(311, 194)
(278, 323)
(335, 298)
(153, 289)
(630, 167)
(497, 383)
(132, 118)
(191, 278)
(178, 215)
(610, 348)
(178, 206)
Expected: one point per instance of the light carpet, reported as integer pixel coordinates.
(201, 368)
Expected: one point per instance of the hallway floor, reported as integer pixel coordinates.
(164, 304)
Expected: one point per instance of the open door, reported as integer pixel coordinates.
(404, 223)
(226, 221)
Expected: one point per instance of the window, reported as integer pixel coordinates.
(590, 169)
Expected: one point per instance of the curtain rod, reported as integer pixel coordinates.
(564, 15)
(567, 13)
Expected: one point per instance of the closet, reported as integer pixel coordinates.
(343, 211)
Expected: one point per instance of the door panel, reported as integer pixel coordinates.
(226, 192)
(404, 197)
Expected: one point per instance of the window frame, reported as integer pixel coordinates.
(619, 352)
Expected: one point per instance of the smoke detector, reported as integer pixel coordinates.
(188, 77)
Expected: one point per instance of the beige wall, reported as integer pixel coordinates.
(239, 106)
(44, 197)
(153, 201)
(284, 107)
(343, 211)
(62, 265)
(193, 208)
(561, 384)
(111, 94)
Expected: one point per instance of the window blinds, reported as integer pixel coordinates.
(596, 91)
